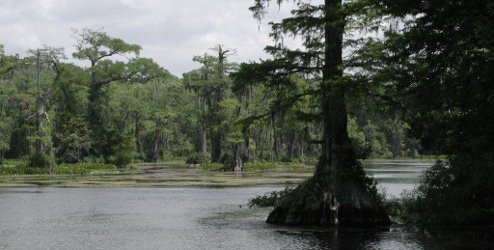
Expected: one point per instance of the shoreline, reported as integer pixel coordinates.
(162, 175)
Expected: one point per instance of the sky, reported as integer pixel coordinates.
(170, 32)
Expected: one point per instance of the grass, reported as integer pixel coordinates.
(22, 168)
(12, 162)
(84, 168)
(158, 175)
(211, 166)
(258, 166)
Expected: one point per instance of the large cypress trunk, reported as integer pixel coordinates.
(337, 193)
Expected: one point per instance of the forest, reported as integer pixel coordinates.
(119, 112)
(371, 79)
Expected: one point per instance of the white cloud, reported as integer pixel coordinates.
(171, 32)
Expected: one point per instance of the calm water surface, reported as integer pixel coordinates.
(395, 178)
(186, 218)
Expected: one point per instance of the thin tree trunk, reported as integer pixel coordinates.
(215, 144)
(276, 148)
(40, 110)
(202, 125)
(203, 139)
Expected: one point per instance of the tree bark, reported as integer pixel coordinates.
(239, 164)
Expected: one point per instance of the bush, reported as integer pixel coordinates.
(196, 158)
(94, 159)
(36, 164)
(41, 161)
(227, 158)
(306, 196)
(121, 159)
(451, 196)
(271, 199)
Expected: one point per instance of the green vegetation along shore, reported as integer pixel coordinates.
(167, 174)
(172, 174)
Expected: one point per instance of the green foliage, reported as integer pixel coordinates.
(70, 132)
(41, 161)
(122, 151)
(440, 63)
(5, 137)
(211, 84)
(377, 141)
(82, 168)
(22, 169)
(72, 140)
(62, 169)
(95, 44)
(212, 166)
(227, 158)
(145, 70)
(7, 63)
(255, 166)
(441, 199)
(182, 146)
(197, 158)
(36, 164)
(97, 47)
(305, 196)
(359, 141)
(94, 159)
(122, 111)
(271, 199)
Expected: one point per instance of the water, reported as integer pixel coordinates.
(396, 177)
(182, 218)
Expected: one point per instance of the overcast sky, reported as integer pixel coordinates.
(169, 31)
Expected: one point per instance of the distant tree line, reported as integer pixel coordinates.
(120, 111)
